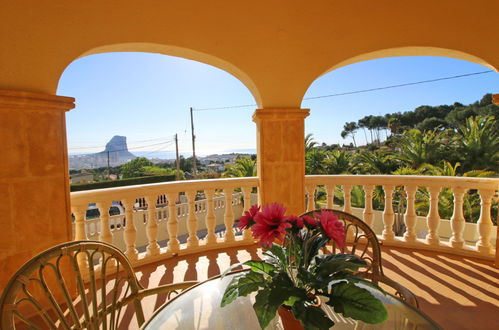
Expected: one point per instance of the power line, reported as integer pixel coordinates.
(399, 85)
(358, 91)
(130, 143)
(166, 143)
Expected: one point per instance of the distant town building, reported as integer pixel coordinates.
(81, 178)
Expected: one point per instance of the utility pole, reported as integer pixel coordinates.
(194, 161)
(177, 173)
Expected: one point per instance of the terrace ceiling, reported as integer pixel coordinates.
(276, 48)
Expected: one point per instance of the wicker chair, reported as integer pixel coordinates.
(362, 242)
(75, 285)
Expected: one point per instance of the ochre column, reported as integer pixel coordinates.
(281, 157)
(34, 178)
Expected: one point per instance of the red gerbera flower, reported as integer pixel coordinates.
(309, 221)
(247, 220)
(333, 227)
(295, 221)
(270, 224)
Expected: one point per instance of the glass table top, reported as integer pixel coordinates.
(199, 308)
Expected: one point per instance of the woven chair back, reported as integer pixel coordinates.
(76, 285)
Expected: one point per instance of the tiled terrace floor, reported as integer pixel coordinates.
(456, 292)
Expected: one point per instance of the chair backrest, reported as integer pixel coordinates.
(361, 241)
(75, 285)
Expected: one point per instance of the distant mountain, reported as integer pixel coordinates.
(116, 152)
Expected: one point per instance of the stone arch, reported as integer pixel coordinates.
(179, 52)
(411, 51)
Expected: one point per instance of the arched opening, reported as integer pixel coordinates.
(147, 98)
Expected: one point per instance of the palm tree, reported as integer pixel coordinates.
(378, 162)
(242, 167)
(309, 142)
(314, 162)
(479, 143)
(350, 129)
(417, 148)
(338, 162)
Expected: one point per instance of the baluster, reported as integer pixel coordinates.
(485, 222)
(433, 218)
(192, 221)
(130, 233)
(247, 204)
(457, 222)
(347, 191)
(80, 234)
(211, 237)
(152, 226)
(330, 195)
(172, 224)
(105, 229)
(368, 209)
(410, 215)
(388, 234)
(310, 189)
(79, 213)
(229, 215)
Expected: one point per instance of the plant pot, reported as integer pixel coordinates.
(288, 320)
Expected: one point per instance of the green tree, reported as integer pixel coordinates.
(377, 162)
(242, 167)
(478, 142)
(417, 148)
(315, 162)
(309, 142)
(350, 129)
(338, 162)
(135, 167)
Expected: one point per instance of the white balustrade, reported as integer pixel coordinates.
(410, 214)
(229, 215)
(159, 217)
(485, 222)
(152, 226)
(368, 208)
(105, 229)
(310, 190)
(347, 193)
(420, 232)
(247, 205)
(457, 221)
(388, 220)
(192, 221)
(433, 218)
(157, 214)
(130, 232)
(211, 237)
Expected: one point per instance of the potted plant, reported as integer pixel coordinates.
(296, 277)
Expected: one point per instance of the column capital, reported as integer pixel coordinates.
(15, 99)
(279, 114)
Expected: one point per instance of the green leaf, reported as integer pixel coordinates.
(231, 292)
(278, 252)
(330, 264)
(231, 268)
(357, 303)
(291, 301)
(249, 283)
(312, 317)
(264, 308)
(257, 265)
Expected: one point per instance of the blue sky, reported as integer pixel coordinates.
(147, 97)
